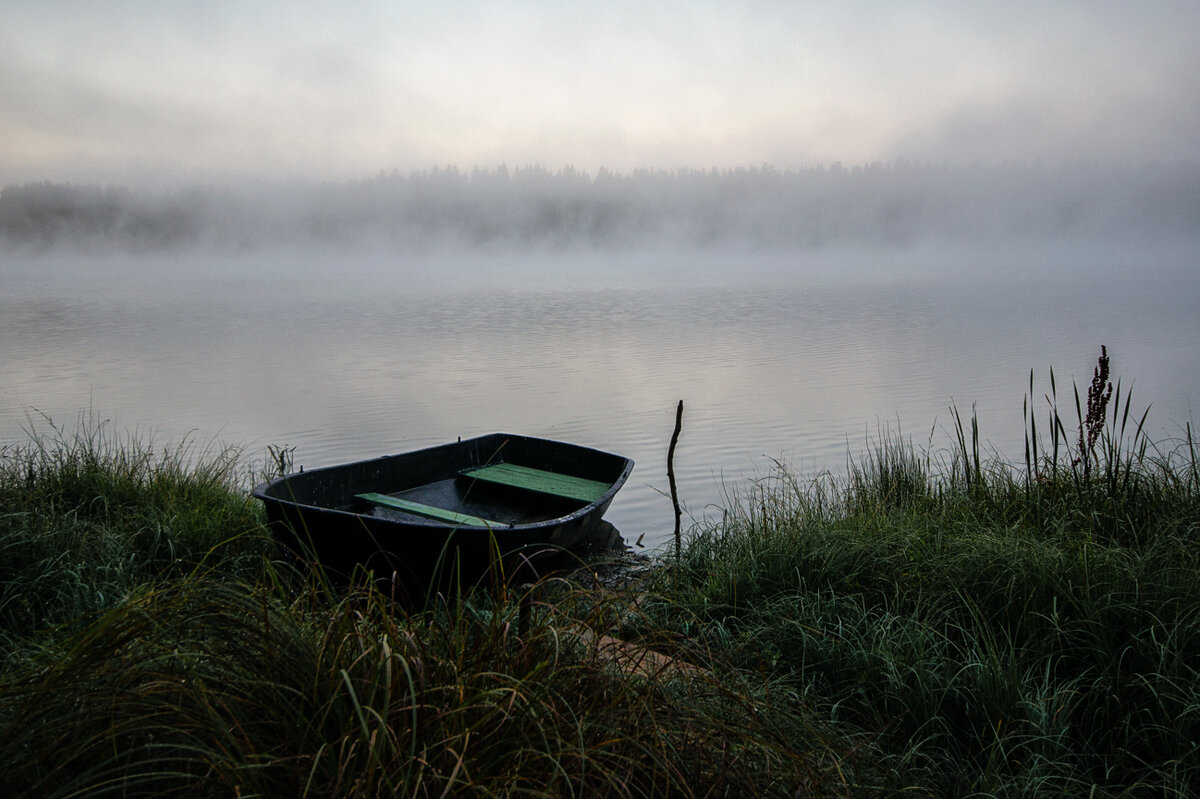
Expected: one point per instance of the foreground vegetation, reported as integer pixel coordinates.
(154, 647)
(986, 629)
(933, 624)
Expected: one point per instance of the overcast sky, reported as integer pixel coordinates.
(196, 90)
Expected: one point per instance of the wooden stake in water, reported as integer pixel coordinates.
(671, 477)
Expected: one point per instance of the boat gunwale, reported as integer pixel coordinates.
(261, 491)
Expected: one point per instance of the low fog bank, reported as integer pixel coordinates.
(895, 205)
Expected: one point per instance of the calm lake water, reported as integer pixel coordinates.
(800, 358)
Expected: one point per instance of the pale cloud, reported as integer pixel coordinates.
(323, 89)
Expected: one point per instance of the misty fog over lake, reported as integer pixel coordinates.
(798, 315)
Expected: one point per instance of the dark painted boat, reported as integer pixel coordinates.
(451, 511)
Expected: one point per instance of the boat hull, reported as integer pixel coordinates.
(319, 515)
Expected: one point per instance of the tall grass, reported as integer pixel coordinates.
(228, 690)
(942, 624)
(88, 516)
(993, 630)
(177, 660)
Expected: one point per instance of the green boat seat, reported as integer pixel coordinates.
(539, 480)
(428, 511)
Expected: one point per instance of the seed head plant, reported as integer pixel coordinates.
(1099, 393)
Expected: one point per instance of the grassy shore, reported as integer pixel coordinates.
(935, 625)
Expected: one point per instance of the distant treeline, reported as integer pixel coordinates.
(886, 204)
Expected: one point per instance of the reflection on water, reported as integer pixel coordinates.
(355, 363)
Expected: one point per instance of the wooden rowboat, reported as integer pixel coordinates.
(455, 510)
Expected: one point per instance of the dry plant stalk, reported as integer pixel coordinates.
(1099, 393)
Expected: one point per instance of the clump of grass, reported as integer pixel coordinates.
(88, 517)
(227, 690)
(892, 476)
(991, 631)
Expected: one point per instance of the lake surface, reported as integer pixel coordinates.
(800, 358)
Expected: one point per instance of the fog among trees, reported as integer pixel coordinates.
(895, 204)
